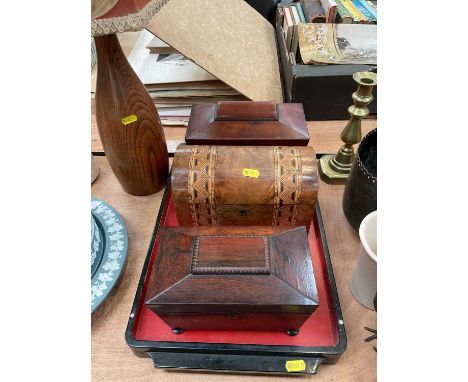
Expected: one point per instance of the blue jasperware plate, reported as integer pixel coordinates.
(109, 247)
(97, 246)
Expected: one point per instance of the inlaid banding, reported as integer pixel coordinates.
(200, 186)
(288, 185)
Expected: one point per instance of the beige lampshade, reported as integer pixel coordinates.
(116, 16)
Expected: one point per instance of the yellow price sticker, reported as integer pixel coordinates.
(295, 365)
(129, 119)
(251, 172)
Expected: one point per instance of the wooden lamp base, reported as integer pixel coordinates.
(128, 122)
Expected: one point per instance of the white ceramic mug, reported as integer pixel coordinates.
(364, 279)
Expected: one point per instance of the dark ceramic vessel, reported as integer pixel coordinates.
(360, 195)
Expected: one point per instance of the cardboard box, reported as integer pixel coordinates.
(324, 90)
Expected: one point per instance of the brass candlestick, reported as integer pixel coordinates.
(336, 168)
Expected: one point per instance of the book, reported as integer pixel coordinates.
(193, 93)
(157, 46)
(175, 82)
(357, 16)
(295, 14)
(182, 112)
(288, 25)
(343, 15)
(313, 11)
(330, 9)
(212, 84)
(360, 7)
(181, 101)
(294, 38)
(338, 43)
(174, 68)
(370, 8)
(300, 12)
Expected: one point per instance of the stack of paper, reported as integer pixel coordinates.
(174, 82)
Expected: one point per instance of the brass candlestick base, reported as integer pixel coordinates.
(332, 175)
(336, 168)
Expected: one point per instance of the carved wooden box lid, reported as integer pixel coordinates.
(247, 123)
(232, 270)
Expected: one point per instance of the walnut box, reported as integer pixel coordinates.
(233, 278)
(245, 123)
(244, 185)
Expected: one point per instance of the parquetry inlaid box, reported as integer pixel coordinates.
(244, 185)
(233, 278)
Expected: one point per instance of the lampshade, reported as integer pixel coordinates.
(116, 16)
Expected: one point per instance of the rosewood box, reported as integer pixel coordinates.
(233, 278)
(244, 185)
(247, 123)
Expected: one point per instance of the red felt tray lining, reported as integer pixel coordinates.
(319, 330)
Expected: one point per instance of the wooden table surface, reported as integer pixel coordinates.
(112, 359)
(324, 135)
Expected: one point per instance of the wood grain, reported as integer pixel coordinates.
(324, 135)
(210, 188)
(245, 123)
(112, 359)
(137, 150)
(217, 272)
(246, 111)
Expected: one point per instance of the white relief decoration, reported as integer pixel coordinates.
(115, 251)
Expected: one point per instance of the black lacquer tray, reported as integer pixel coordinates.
(322, 339)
